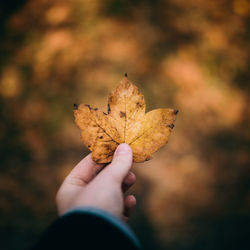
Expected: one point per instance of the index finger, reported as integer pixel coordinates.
(84, 171)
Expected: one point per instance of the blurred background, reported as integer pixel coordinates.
(190, 55)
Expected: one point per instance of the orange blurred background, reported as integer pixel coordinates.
(190, 55)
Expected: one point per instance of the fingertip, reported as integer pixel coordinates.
(129, 204)
(84, 171)
(88, 161)
(130, 201)
(130, 178)
(128, 181)
(123, 149)
(123, 154)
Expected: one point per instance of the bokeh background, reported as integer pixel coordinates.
(190, 55)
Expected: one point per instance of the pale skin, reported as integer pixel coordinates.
(96, 185)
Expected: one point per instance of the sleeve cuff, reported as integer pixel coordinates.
(102, 214)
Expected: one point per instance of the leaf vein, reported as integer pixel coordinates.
(104, 130)
(144, 132)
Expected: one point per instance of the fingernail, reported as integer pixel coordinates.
(122, 149)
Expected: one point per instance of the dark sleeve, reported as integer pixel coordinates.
(88, 228)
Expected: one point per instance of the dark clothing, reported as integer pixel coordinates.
(88, 228)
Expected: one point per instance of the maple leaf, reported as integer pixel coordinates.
(126, 122)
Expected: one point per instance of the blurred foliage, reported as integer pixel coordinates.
(191, 55)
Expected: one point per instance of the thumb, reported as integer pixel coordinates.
(121, 163)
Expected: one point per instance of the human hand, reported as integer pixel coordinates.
(100, 186)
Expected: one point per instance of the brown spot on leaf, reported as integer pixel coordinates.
(122, 114)
(138, 105)
(109, 108)
(87, 105)
(171, 126)
(107, 146)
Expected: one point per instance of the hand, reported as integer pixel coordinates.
(100, 186)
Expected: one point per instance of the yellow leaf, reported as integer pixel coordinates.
(126, 122)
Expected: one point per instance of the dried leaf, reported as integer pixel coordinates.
(126, 122)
